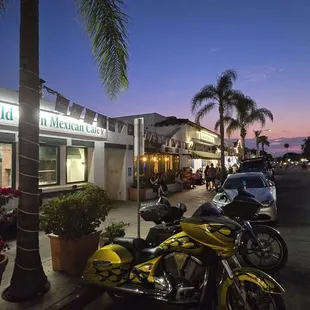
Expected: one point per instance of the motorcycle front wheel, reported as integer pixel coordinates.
(269, 258)
(255, 297)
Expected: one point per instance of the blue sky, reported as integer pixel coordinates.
(176, 47)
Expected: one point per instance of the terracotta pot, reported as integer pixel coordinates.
(3, 262)
(70, 256)
(133, 194)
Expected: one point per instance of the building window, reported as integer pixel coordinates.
(76, 164)
(48, 169)
(5, 165)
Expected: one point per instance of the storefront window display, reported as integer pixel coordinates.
(5, 165)
(154, 163)
(76, 164)
(49, 165)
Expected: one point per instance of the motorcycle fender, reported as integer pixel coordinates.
(256, 276)
(109, 266)
(269, 227)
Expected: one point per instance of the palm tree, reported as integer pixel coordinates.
(219, 95)
(286, 145)
(263, 140)
(246, 114)
(105, 23)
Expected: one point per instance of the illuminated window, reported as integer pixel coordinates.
(76, 164)
(48, 167)
(5, 165)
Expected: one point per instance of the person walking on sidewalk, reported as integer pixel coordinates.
(211, 177)
(206, 176)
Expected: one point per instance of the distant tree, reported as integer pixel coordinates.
(219, 95)
(306, 148)
(263, 140)
(286, 145)
(247, 114)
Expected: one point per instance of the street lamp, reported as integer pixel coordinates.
(257, 134)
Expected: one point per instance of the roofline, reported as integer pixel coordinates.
(140, 115)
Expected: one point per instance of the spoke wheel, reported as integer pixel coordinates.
(255, 297)
(273, 254)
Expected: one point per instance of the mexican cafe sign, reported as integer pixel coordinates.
(52, 122)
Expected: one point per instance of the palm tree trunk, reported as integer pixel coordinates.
(243, 146)
(257, 148)
(263, 147)
(221, 112)
(28, 279)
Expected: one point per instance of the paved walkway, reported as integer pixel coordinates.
(121, 211)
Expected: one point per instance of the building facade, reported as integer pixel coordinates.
(71, 152)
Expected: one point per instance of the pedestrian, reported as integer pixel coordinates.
(211, 177)
(206, 176)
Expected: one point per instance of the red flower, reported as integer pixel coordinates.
(16, 193)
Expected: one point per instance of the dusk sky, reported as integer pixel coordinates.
(176, 47)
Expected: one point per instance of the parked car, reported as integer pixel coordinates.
(259, 164)
(258, 185)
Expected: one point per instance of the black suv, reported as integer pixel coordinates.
(259, 164)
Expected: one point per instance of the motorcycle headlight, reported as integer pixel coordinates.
(267, 203)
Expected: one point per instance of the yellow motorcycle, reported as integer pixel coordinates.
(183, 270)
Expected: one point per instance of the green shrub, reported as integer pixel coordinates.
(75, 215)
(116, 229)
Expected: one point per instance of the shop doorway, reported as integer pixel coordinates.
(115, 174)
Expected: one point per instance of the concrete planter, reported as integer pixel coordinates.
(70, 256)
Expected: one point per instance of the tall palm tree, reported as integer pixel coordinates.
(219, 95)
(247, 114)
(106, 25)
(286, 145)
(263, 140)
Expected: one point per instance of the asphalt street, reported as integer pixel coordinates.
(293, 190)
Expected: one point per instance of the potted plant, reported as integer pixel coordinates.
(3, 258)
(8, 219)
(115, 229)
(144, 185)
(71, 221)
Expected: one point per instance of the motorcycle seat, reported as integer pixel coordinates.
(139, 248)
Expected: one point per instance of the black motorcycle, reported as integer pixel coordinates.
(259, 241)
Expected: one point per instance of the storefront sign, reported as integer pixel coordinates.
(51, 121)
(205, 136)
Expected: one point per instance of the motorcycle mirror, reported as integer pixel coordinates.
(220, 189)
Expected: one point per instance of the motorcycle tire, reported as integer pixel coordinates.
(276, 299)
(283, 256)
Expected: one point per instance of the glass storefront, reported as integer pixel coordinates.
(6, 165)
(76, 164)
(154, 163)
(49, 163)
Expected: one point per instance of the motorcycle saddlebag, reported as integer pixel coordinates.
(108, 266)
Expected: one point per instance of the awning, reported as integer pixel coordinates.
(205, 155)
(203, 142)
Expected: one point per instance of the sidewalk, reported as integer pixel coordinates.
(62, 285)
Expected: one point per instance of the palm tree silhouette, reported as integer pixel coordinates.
(247, 114)
(105, 24)
(219, 95)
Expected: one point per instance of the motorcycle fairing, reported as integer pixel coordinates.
(248, 274)
(109, 266)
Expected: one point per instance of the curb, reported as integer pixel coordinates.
(78, 299)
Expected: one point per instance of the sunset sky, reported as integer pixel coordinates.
(176, 47)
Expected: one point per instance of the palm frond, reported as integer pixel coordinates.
(227, 119)
(233, 126)
(206, 93)
(263, 140)
(259, 115)
(226, 79)
(105, 23)
(203, 111)
(2, 6)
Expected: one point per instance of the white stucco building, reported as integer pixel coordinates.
(71, 151)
